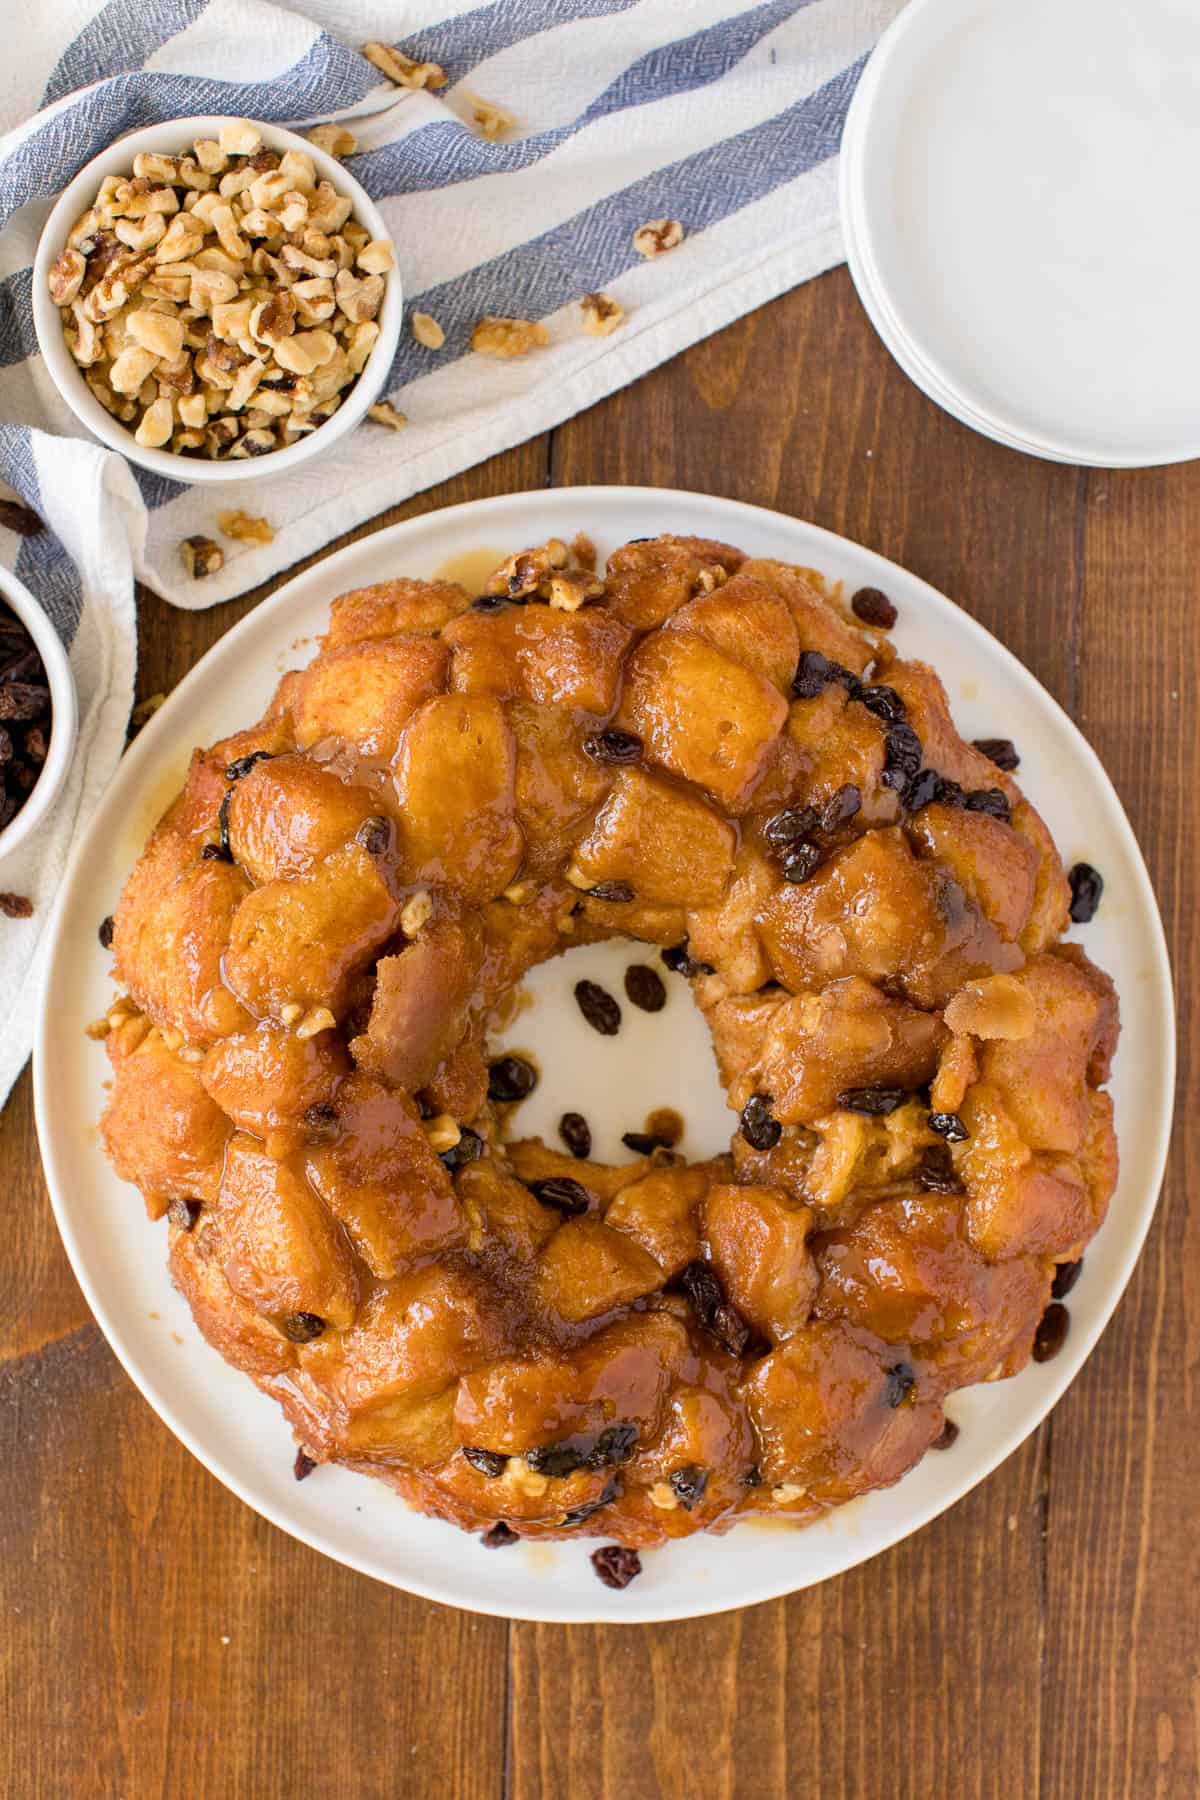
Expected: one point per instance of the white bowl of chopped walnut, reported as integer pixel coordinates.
(214, 291)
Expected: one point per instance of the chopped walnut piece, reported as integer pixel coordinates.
(508, 337)
(403, 70)
(65, 277)
(657, 236)
(384, 413)
(201, 556)
(427, 331)
(335, 140)
(245, 528)
(601, 314)
(492, 121)
(569, 591)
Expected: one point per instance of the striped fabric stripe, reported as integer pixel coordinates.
(723, 114)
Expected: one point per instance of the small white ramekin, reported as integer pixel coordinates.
(173, 138)
(64, 713)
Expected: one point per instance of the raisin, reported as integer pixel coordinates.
(577, 1514)
(815, 672)
(613, 746)
(793, 823)
(922, 790)
(556, 1460)
(223, 824)
(615, 1444)
(611, 890)
(645, 988)
(374, 834)
(950, 793)
(935, 1172)
(488, 1462)
(688, 1484)
(303, 1466)
(948, 1125)
(873, 1101)
(1065, 1277)
(235, 770)
(183, 1213)
(753, 1477)
(946, 1437)
(262, 160)
(216, 853)
(16, 906)
(105, 933)
(499, 1536)
(1001, 751)
(303, 1327)
(902, 756)
(598, 1008)
(576, 1134)
(840, 808)
(488, 602)
(885, 703)
(616, 1566)
(800, 861)
(644, 1143)
(511, 1078)
(676, 957)
(1051, 1333)
(873, 607)
(560, 1192)
(901, 1380)
(468, 1149)
(321, 1121)
(1087, 885)
(990, 801)
(703, 1289)
(759, 1128)
(21, 519)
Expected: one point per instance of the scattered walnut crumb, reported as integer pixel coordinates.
(601, 314)
(418, 910)
(657, 236)
(427, 331)
(245, 528)
(16, 906)
(493, 121)
(384, 413)
(442, 1133)
(144, 711)
(335, 140)
(508, 337)
(404, 70)
(583, 550)
(201, 556)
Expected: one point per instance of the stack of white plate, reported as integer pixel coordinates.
(1020, 189)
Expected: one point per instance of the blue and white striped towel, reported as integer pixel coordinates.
(726, 116)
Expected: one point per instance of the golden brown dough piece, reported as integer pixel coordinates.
(701, 752)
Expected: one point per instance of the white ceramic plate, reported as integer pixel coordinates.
(119, 1257)
(1017, 259)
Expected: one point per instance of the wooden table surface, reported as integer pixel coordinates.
(1040, 1639)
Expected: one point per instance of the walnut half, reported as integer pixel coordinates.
(657, 236)
(508, 337)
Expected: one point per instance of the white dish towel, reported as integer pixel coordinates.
(725, 116)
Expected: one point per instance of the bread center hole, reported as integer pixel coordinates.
(655, 1060)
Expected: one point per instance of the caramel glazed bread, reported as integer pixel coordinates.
(703, 752)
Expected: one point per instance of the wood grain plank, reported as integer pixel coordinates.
(1123, 1570)
(161, 1639)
